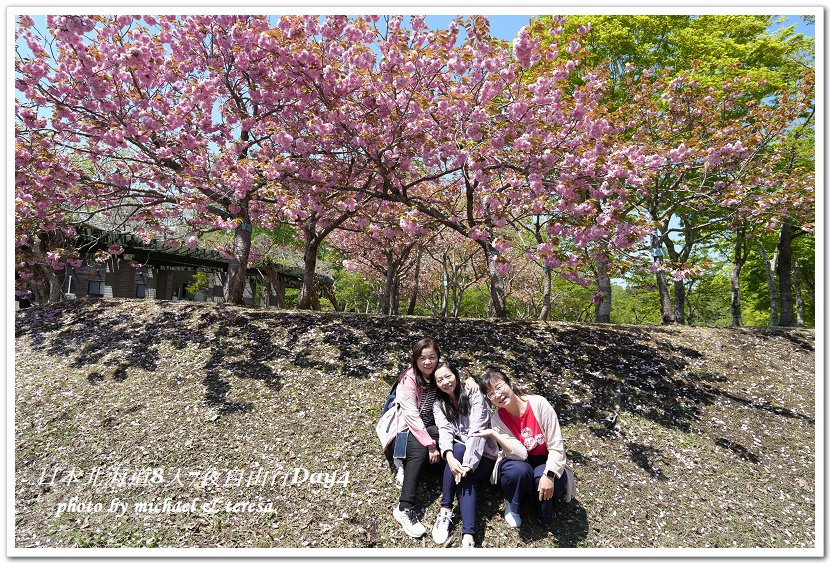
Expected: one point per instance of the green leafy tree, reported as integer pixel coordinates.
(736, 73)
(757, 280)
(724, 46)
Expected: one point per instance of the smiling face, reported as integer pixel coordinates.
(426, 361)
(500, 393)
(445, 380)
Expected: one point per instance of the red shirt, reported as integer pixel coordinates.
(527, 430)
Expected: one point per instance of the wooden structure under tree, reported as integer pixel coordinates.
(154, 270)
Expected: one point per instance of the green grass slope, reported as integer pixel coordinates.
(173, 424)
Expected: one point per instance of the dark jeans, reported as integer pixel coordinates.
(520, 478)
(417, 458)
(466, 488)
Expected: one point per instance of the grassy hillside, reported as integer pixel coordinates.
(679, 437)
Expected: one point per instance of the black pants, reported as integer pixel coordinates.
(417, 458)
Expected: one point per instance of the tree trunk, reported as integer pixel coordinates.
(39, 293)
(455, 291)
(799, 302)
(308, 292)
(666, 309)
(445, 288)
(784, 271)
(738, 261)
(690, 313)
(279, 291)
(497, 299)
(457, 296)
(308, 298)
(679, 302)
(602, 308)
(737, 317)
(690, 236)
(328, 292)
(238, 264)
(412, 300)
(769, 269)
(55, 286)
(666, 312)
(252, 282)
(544, 314)
(386, 295)
(266, 293)
(393, 301)
(40, 246)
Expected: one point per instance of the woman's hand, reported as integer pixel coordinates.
(462, 472)
(454, 465)
(545, 488)
(471, 386)
(485, 433)
(434, 456)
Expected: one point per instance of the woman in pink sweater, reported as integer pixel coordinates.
(415, 398)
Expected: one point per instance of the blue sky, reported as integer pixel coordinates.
(503, 27)
(506, 26)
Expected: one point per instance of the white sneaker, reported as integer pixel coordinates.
(441, 530)
(399, 474)
(409, 522)
(570, 487)
(512, 518)
(467, 543)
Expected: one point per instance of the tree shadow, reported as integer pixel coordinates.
(647, 458)
(570, 524)
(570, 520)
(591, 374)
(792, 334)
(763, 404)
(738, 449)
(236, 346)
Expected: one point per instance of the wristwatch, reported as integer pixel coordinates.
(550, 473)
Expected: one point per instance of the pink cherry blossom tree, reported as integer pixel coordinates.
(41, 229)
(464, 119)
(172, 114)
(378, 248)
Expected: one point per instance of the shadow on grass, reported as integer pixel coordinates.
(590, 373)
(791, 334)
(738, 449)
(236, 346)
(646, 458)
(570, 520)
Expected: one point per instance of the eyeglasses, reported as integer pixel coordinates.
(499, 388)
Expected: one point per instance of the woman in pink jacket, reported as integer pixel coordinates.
(415, 398)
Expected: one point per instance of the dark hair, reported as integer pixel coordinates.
(460, 391)
(492, 373)
(420, 346)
